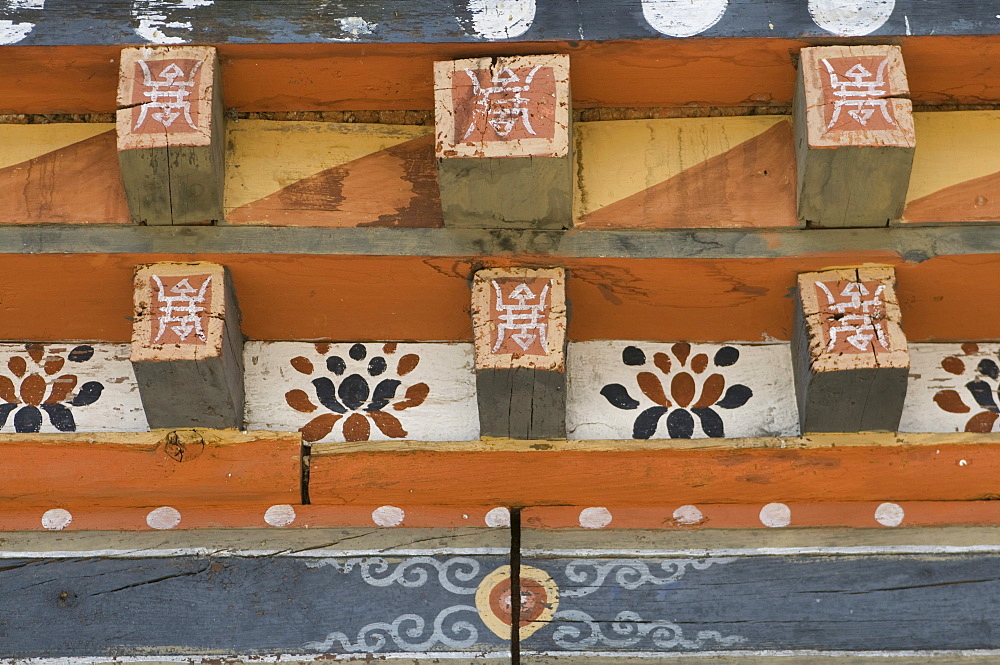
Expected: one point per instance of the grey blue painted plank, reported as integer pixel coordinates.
(371, 21)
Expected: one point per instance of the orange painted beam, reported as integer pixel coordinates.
(645, 476)
(351, 298)
(295, 77)
(149, 469)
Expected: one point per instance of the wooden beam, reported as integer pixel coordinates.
(849, 352)
(503, 142)
(171, 136)
(519, 318)
(854, 135)
(187, 347)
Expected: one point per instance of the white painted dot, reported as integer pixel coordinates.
(163, 518)
(889, 514)
(280, 515)
(683, 18)
(498, 517)
(501, 19)
(775, 515)
(688, 515)
(388, 516)
(962, 462)
(595, 518)
(56, 519)
(851, 18)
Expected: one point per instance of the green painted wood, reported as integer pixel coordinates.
(522, 403)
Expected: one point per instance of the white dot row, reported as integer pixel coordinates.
(165, 517)
(772, 515)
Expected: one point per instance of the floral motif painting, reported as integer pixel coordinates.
(362, 391)
(68, 387)
(641, 390)
(953, 388)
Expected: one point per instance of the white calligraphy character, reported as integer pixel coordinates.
(502, 103)
(860, 93)
(858, 320)
(181, 311)
(168, 95)
(526, 322)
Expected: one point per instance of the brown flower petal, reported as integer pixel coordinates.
(681, 351)
(699, 363)
(318, 427)
(33, 389)
(356, 428)
(35, 352)
(53, 364)
(407, 364)
(389, 348)
(662, 362)
(981, 422)
(682, 389)
(652, 388)
(17, 366)
(415, 396)
(302, 365)
(951, 401)
(299, 400)
(7, 393)
(61, 388)
(970, 347)
(711, 390)
(322, 348)
(954, 365)
(388, 423)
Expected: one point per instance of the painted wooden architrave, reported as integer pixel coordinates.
(171, 134)
(812, 469)
(849, 352)
(362, 391)
(166, 468)
(503, 129)
(393, 593)
(519, 321)
(187, 347)
(952, 388)
(854, 135)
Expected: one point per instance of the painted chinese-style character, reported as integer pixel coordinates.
(860, 92)
(525, 321)
(183, 308)
(858, 313)
(502, 103)
(168, 94)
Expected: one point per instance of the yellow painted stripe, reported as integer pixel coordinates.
(23, 142)
(266, 156)
(952, 148)
(616, 159)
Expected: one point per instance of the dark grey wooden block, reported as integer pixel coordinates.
(522, 403)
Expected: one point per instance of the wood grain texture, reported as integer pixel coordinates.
(522, 403)
(151, 469)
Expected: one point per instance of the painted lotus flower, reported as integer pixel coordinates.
(692, 393)
(350, 399)
(982, 390)
(39, 393)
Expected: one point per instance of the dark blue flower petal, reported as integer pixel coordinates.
(736, 396)
(358, 352)
(28, 419)
(645, 422)
(60, 417)
(5, 410)
(384, 391)
(326, 393)
(711, 423)
(989, 368)
(726, 356)
(377, 366)
(336, 365)
(680, 424)
(89, 393)
(81, 354)
(353, 391)
(633, 356)
(618, 395)
(983, 394)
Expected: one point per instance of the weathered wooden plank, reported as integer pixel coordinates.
(187, 347)
(522, 403)
(172, 468)
(122, 21)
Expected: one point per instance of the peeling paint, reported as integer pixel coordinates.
(851, 19)
(12, 32)
(155, 16)
(501, 19)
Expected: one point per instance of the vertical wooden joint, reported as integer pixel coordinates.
(854, 135)
(503, 141)
(519, 319)
(171, 134)
(187, 348)
(849, 352)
